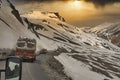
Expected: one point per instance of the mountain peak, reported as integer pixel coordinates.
(44, 15)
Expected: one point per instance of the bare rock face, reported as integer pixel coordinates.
(116, 39)
(60, 17)
(15, 12)
(56, 15)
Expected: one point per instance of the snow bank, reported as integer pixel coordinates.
(78, 70)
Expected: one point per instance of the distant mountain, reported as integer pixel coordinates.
(108, 31)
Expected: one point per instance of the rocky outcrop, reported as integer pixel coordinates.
(56, 15)
(15, 12)
(60, 17)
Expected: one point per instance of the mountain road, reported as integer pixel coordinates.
(30, 71)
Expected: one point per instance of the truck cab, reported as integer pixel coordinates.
(26, 48)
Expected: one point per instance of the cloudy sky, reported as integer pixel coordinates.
(76, 12)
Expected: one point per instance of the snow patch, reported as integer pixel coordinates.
(78, 70)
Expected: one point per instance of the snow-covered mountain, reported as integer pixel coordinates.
(87, 53)
(109, 31)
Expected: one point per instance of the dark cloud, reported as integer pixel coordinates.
(97, 3)
(102, 3)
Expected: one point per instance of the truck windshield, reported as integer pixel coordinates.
(30, 45)
(21, 44)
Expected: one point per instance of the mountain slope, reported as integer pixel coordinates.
(63, 33)
(91, 55)
(10, 25)
(109, 31)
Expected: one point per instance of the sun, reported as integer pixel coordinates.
(76, 3)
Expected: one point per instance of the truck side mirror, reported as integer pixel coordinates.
(13, 68)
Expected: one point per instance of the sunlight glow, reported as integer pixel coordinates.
(76, 3)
